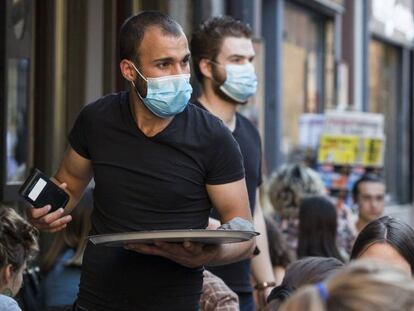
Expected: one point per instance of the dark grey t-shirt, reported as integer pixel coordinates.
(144, 183)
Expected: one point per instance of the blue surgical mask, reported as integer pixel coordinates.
(241, 82)
(166, 96)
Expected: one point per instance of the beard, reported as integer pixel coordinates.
(140, 85)
(218, 80)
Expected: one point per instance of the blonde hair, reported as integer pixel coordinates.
(289, 185)
(363, 285)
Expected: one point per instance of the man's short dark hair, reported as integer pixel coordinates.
(133, 30)
(369, 177)
(207, 40)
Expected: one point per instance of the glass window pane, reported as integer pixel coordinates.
(308, 70)
(17, 134)
(384, 99)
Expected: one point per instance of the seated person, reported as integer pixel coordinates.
(18, 244)
(387, 239)
(287, 188)
(217, 295)
(318, 223)
(363, 285)
(310, 270)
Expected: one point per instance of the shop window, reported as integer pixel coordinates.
(385, 98)
(308, 69)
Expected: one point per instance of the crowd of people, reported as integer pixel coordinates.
(161, 163)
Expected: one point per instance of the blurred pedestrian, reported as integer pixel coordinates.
(310, 270)
(216, 295)
(18, 244)
(387, 239)
(224, 67)
(288, 187)
(280, 255)
(368, 194)
(317, 228)
(365, 285)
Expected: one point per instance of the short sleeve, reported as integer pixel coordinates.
(226, 161)
(78, 135)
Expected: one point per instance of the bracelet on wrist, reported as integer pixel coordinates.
(263, 285)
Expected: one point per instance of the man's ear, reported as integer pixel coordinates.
(206, 68)
(127, 70)
(6, 273)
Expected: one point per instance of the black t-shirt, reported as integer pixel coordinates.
(148, 183)
(237, 275)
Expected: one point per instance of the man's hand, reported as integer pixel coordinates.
(53, 222)
(262, 297)
(188, 254)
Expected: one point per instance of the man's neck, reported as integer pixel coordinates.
(146, 121)
(360, 224)
(219, 107)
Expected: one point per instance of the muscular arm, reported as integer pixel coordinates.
(73, 176)
(261, 264)
(231, 200)
(76, 172)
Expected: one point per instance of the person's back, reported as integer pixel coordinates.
(317, 228)
(288, 186)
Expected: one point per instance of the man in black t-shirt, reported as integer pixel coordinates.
(158, 163)
(224, 68)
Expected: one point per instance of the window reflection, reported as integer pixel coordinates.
(383, 94)
(16, 136)
(308, 70)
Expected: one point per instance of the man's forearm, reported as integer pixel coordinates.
(229, 253)
(261, 264)
(73, 200)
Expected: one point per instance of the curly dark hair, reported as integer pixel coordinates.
(206, 41)
(18, 239)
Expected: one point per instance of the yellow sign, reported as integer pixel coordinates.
(339, 149)
(350, 149)
(372, 152)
